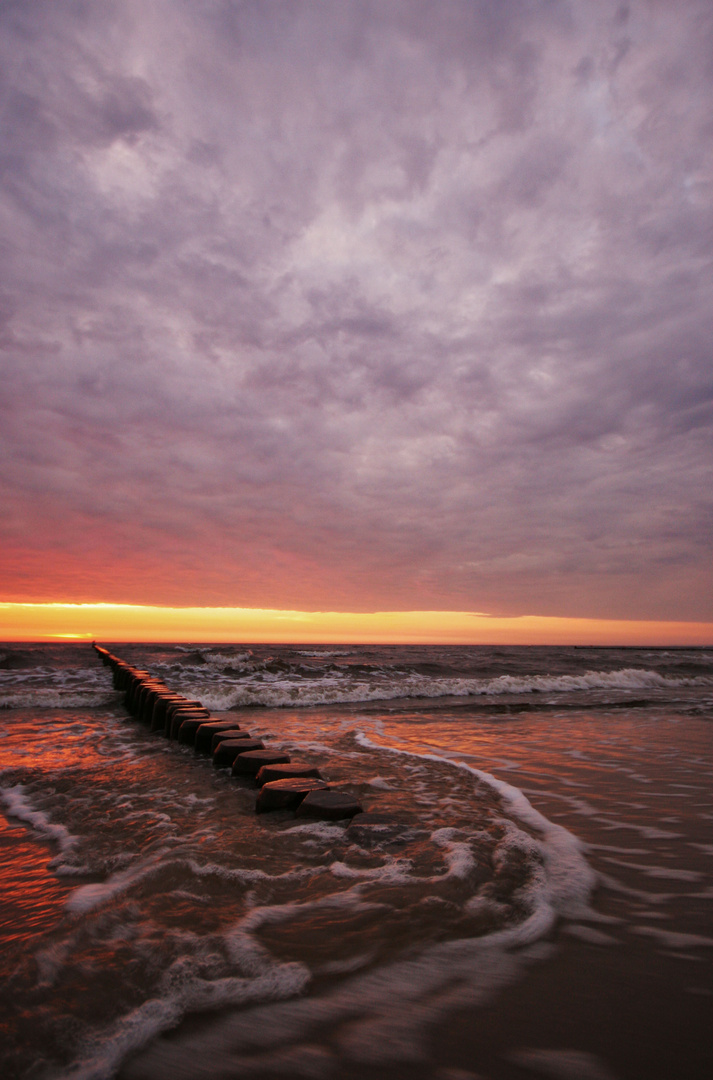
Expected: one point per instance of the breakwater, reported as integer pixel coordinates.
(283, 783)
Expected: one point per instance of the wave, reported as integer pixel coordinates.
(335, 689)
(318, 653)
(387, 1007)
(219, 657)
(224, 681)
(437, 881)
(57, 698)
(570, 880)
(191, 994)
(17, 805)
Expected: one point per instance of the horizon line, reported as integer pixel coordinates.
(25, 621)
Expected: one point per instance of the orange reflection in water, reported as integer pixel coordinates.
(31, 897)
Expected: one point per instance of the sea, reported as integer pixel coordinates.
(530, 893)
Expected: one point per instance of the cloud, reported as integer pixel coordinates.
(356, 306)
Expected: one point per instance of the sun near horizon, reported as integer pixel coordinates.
(135, 622)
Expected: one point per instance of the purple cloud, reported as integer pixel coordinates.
(395, 305)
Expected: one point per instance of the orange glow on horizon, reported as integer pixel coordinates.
(128, 622)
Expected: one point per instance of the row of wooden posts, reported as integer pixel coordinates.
(284, 784)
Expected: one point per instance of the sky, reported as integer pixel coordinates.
(144, 623)
(358, 305)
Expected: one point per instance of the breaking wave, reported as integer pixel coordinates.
(335, 688)
(57, 698)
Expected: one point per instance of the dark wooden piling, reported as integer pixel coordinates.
(227, 733)
(284, 784)
(204, 735)
(296, 770)
(226, 751)
(189, 727)
(179, 715)
(250, 762)
(287, 794)
(329, 805)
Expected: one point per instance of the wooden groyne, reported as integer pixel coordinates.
(283, 784)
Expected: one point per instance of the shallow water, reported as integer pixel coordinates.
(541, 905)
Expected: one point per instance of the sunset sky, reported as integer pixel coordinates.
(357, 306)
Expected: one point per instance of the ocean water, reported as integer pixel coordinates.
(537, 903)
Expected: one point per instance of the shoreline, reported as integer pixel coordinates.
(174, 900)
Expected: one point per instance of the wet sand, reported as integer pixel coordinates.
(581, 1012)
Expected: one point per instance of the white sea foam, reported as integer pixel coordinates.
(392, 872)
(223, 658)
(380, 783)
(57, 698)
(239, 937)
(387, 1009)
(458, 855)
(569, 880)
(107, 1050)
(18, 806)
(88, 897)
(316, 653)
(384, 1014)
(280, 690)
(319, 830)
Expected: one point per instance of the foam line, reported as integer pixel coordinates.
(18, 806)
(160, 1014)
(58, 699)
(330, 689)
(570, 879)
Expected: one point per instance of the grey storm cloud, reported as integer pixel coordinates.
(358, 305)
